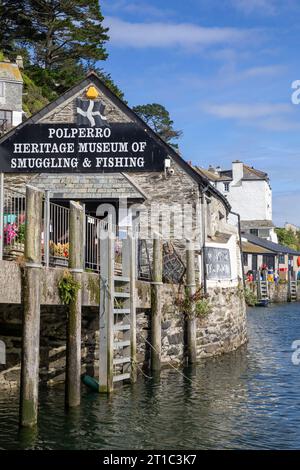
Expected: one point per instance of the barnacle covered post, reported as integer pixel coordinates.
(191, 326)
(31, 311)
(73, 366)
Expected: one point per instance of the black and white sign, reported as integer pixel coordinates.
(46, 148)
(217, 261)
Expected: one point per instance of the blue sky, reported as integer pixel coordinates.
(223, 68)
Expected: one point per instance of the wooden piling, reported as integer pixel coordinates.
(191, 325)
(107, 257)
(31, 311)
(156, 287)
(73, 363)
(129, 270)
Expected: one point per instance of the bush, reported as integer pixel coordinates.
(250, 298)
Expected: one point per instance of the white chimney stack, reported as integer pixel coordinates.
(237, 171)
(19, 61)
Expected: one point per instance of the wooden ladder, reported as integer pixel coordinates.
(293, 291)
(121, 329)
(117, 312)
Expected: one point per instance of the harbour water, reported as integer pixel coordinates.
(249, 399)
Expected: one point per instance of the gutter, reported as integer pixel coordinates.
(241, 246)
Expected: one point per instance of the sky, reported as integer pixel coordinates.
(224, 70)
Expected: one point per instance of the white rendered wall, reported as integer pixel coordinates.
(251, 199)
(16, 118)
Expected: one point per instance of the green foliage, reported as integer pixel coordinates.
(250, 298)
(288, 237)
(21, 234)
(68, 288)
(196, 305)
(158, 118)
(57, 32)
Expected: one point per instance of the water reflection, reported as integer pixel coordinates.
(247, 399)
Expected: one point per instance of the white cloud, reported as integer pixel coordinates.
(159, 34)
(245, 111)
(268, 7)
(265, 70)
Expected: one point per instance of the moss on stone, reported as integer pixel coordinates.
(94, 289)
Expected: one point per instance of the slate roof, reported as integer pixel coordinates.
(275, 247)
(249, 174)
(248, 247)
(10, 72)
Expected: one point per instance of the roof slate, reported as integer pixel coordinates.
(275, 247)
(11, 72)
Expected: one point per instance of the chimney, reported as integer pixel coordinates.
(237, 171)
(19, 61)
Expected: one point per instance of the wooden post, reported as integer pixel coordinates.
(73, 363)
(191, 324)
(129, 270)
(1, 213)
(156, 285)
(107, 257)
(31, 313)
(47, 229)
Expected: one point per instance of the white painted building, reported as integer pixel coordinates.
(250, 195)
(11, 89)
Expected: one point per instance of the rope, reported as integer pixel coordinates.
(105, 284)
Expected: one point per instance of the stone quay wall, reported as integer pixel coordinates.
(221, 331)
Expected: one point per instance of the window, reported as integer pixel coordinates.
(1, 89)
(5, 118)
(245, 259)
(254, 231)
(226, 187)
(281, 259)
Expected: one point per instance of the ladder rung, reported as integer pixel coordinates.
(121, 311)
(122, 294)
(118, 378)
(121, 360)
(121, 327)
(121, 279)
(121, 344)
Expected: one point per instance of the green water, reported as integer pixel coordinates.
(247, 399)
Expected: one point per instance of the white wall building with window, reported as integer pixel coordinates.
(250, 195)
(11, 89)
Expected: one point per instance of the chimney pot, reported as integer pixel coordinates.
(19, 62)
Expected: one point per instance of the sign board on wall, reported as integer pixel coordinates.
(46, 148)
(217, 261)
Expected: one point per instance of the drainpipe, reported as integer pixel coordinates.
(241, 249)
(203, 223)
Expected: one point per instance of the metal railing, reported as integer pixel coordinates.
(56, 234)
(13, 223)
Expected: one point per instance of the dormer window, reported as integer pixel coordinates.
(226, 187)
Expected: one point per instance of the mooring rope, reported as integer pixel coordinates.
(105, 284)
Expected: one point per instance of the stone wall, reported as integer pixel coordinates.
(223, 330)
(277, 292)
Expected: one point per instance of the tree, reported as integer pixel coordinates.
(288, 238)
(15, 26)
(66, 30)
(158, 118)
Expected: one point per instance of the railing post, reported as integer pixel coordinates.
(191, 324)
(156, 286)
(47, 229)
(31, 313)
(107, 256)
(1, 213)
(73, 367)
